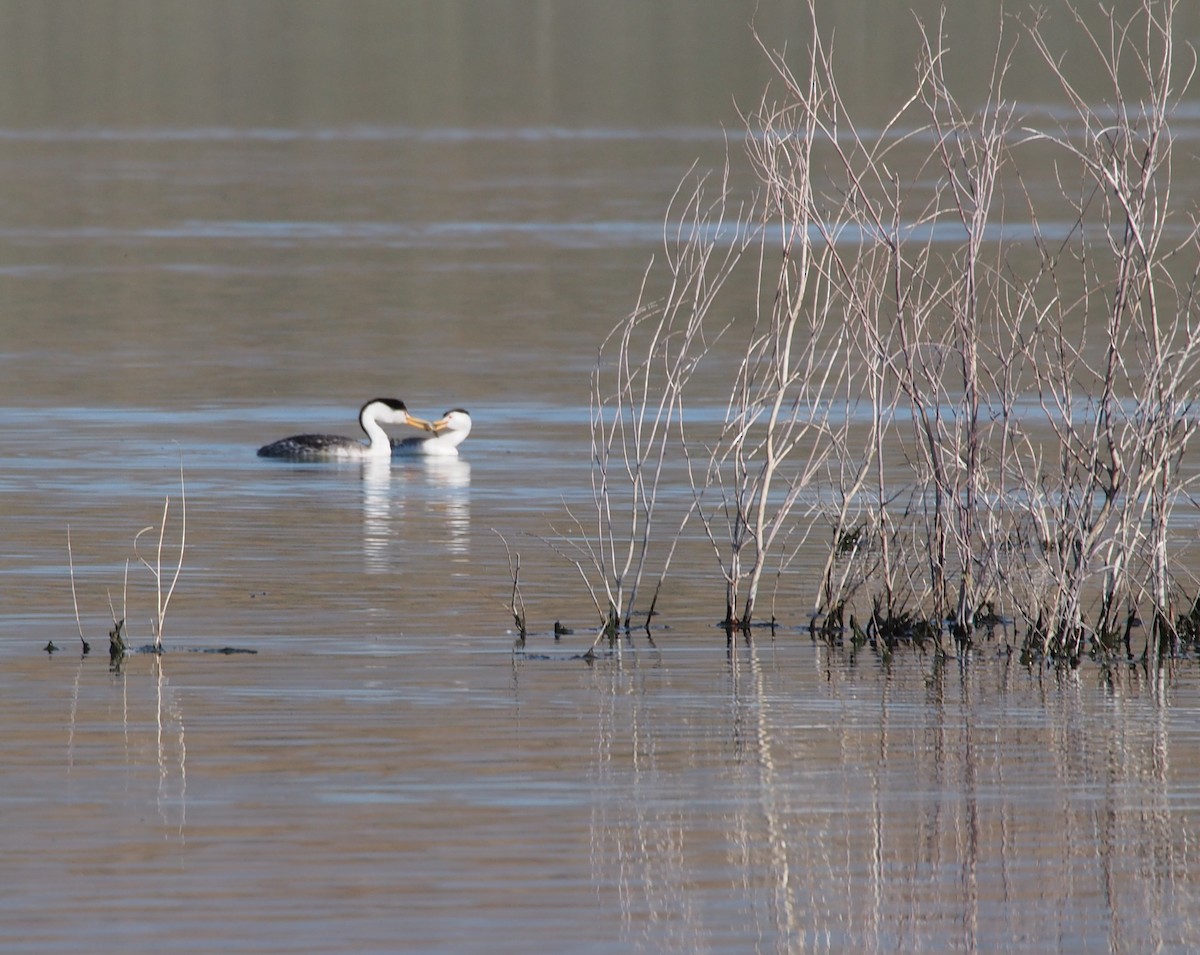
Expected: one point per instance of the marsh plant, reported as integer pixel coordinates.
(165, 580)
(977, 393)
(162, 600)
(516, 602)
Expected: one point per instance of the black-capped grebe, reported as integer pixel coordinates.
(373, 415)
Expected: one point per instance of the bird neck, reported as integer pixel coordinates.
(379, 444)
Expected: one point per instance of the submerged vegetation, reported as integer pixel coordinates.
(980, 395)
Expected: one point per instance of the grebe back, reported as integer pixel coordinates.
(372, 416)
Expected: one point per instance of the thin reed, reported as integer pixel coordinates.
(119, 631)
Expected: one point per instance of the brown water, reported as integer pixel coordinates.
(222, 224)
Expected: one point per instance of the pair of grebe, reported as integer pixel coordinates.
(441, 439)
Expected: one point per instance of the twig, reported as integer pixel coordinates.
(516, 603)
(156, 568)
(74, 599)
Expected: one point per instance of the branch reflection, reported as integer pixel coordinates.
(823, 810)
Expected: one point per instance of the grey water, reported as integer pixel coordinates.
(225, 224)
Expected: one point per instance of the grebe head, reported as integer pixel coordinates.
(449, 431)
(390, 411)
(456, 420)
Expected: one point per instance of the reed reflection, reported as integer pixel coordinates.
(822, 821)
(149, 706)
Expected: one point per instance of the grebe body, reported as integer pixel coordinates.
(448, 432)
(372, 416)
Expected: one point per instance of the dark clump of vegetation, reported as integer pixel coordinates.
(1187, 627)
(116, 642)
(885, 629)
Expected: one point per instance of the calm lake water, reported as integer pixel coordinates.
(224, 224)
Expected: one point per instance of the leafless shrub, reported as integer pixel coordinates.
(1122, 409)
(637, 411)
(950, 338)
(977, 422)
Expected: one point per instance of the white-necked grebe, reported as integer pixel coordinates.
(372, 416)
(449, 432)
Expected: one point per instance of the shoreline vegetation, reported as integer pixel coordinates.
(977, 395)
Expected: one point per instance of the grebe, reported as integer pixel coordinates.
(449, 432)
(372, 415)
